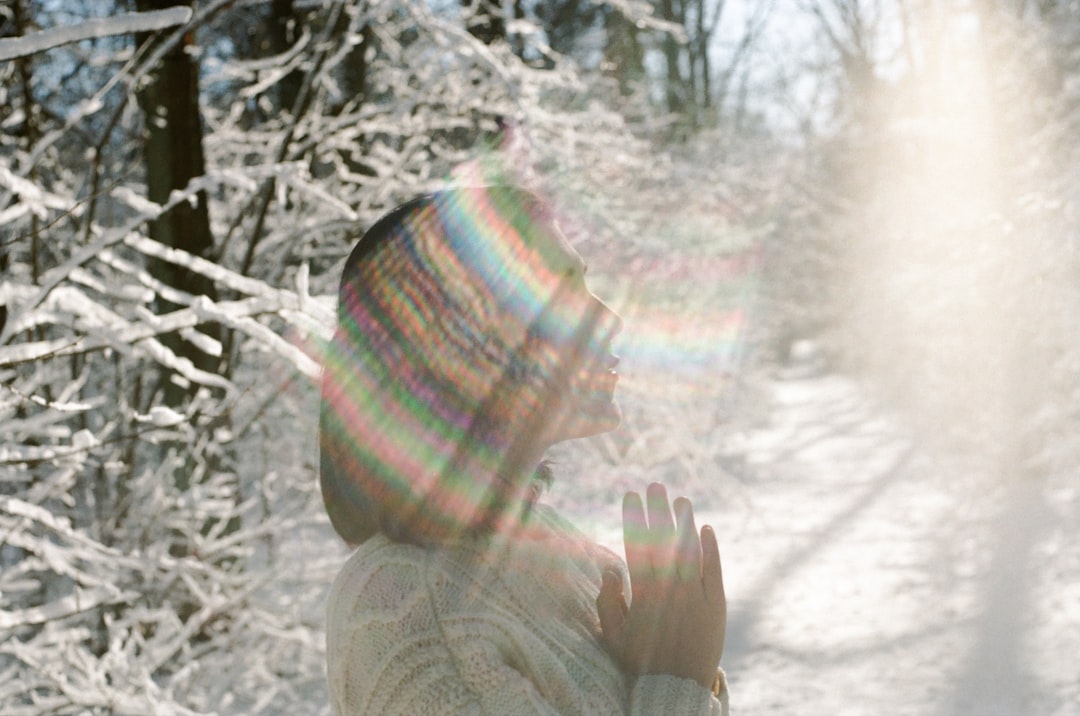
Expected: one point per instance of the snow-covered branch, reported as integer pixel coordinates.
(122, 24)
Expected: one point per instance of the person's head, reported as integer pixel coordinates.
(467, 343)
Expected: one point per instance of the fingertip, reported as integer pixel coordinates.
(708, 540)
(656, 489)
(610, 581)
(710, 549)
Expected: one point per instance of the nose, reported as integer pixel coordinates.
(610, 322)
(606, 322)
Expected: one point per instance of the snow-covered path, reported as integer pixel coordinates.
(866, 578)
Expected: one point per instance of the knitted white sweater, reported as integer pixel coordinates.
(488, 626)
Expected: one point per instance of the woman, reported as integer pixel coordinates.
(467, 344)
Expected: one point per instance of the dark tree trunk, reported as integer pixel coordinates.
(519, 42)
(284, 29)
(355, 66)
(21, 17)
(624, 54)
(173, 149)
(675, 87)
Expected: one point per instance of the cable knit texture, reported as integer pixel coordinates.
(486, 626)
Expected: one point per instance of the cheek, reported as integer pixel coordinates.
(537, 366)
(543, 346)
(567, 324)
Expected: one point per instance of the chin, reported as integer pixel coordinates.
(598, 417)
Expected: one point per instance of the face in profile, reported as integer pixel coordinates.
(468, 342)
(565, 358)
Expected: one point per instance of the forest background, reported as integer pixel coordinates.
(886, 189)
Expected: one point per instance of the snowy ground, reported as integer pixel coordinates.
(863, 576)
(867, 578)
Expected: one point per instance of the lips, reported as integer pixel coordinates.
(601, 378)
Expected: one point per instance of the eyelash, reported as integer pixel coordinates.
(575, 274)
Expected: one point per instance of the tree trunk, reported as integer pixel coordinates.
(173, 149)
(519, 41)
(623, 52)
(30, 113)
(283, 28)
(704, 40)
(675, 89)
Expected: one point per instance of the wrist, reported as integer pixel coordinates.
(705, 679)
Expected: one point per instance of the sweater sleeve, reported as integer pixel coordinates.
(661, 694)
(392, 649)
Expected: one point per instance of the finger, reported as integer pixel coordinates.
(611, 607)
(661, 547)
(635, 540)
(660, 520)
(614, 578)
(712, 574)
(688, 559)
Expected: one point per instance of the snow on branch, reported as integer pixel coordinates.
(127, 23)
(219, 274)
(35, 199)
(139, 336)
(82, 600)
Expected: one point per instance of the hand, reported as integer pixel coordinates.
(675, 623)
